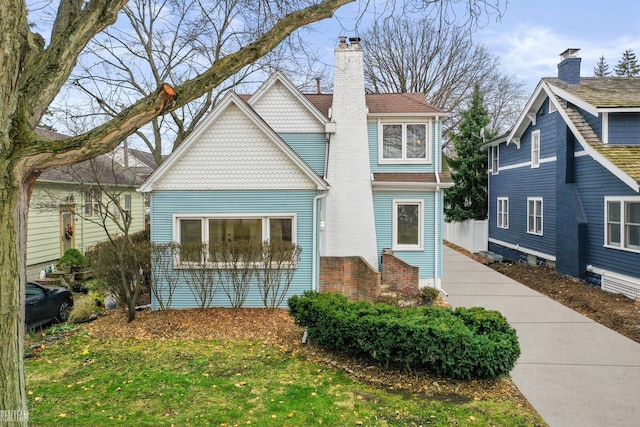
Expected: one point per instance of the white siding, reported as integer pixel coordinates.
(234, 154)
(285, 113)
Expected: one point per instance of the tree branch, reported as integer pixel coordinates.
(49, 70)
(47, 153)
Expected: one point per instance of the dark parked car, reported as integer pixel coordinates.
(46, 304)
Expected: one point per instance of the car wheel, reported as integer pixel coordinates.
(64, 311)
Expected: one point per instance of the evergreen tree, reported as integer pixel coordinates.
(602, 68)
(628, 65)
(467, 199)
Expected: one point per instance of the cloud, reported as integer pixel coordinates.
(531, 52)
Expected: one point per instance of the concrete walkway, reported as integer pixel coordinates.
(574, 371)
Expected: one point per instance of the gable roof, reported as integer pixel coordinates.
(592, 96)
(603, 92)
(229, 100)
(102, 169)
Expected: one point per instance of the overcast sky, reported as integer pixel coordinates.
(532, 34)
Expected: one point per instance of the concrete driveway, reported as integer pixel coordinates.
(574, 371)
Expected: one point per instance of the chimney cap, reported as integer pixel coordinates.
(570, 53)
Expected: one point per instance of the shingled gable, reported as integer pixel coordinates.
(231, 98)
(272, 81)
(622, 161)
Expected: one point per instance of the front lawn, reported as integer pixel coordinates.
(86, 379)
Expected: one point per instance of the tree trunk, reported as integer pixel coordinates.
(12, 300)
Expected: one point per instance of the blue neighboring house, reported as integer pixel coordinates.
(344, 176)
(564, 183)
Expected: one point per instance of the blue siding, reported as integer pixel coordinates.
(624, 128)
(594, 121)
(523, 182)
(164, 204)
(378, 168)
(594, 182)
(518, 185)
(312, 147)
(425, 260)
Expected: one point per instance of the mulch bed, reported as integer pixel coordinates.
(614, 311)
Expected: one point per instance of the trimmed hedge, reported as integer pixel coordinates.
(463, 343)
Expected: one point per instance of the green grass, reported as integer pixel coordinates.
(82, 381)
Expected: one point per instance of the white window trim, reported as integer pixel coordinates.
(495, 160)
(552, 107)
(535, 161)
(420, 245)
(205, 230)
(505, 213)
(404, 160)
(534, 232)
(623, 212)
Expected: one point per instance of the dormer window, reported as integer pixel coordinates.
(404, 143)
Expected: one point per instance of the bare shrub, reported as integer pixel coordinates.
(235, 266)
(164, 278)
(280, 260)
(199, 276)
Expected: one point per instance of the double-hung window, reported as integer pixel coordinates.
(203, 231)
(622, 217)
(92, 200)
(495, 159)
(404, 143)
(535, 149)
(503, 212)
(534, 215)
(408, 225)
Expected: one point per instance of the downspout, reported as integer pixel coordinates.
(438, 226)
(314, 249)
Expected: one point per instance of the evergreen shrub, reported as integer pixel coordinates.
(463, 343)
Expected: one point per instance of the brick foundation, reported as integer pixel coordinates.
(352, 277)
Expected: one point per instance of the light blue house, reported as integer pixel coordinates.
(344, 176)
(564, 183)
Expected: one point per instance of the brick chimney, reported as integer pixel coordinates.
(569, 67)
(349, 216)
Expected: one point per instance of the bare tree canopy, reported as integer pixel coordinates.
(35, 67)
(439, 59)
(162, 41)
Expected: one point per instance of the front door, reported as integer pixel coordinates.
(67, 228)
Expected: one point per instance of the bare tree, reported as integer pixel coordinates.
(36, 68)
(439, 59)
(168, 41)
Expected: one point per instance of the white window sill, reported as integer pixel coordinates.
(621, 248)
(534, 234)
